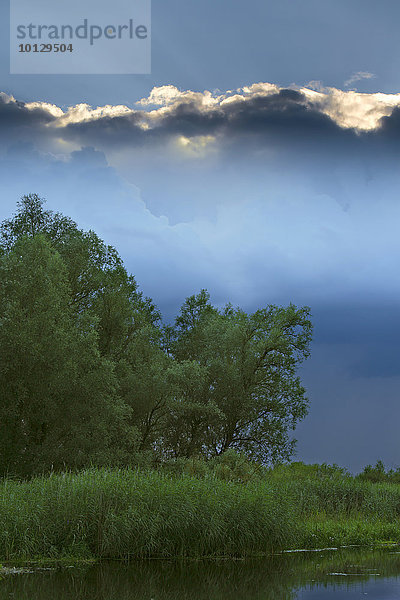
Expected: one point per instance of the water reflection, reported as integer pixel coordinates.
(345, 573)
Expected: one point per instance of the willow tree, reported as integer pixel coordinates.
(97, 279)
(50, 265)
(58, 401)
(88, 375)
(251, 363)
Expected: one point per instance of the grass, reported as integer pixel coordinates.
(124, 513)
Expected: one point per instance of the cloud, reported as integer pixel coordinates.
(260, 194)
(16, 116)
(359, 76)
(260, 115)
(333, 142)
(292, 174)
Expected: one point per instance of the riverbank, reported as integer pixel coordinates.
(123, 513)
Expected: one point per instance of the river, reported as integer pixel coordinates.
(342, 574)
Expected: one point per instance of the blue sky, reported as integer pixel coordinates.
(258, 160)
(226, 44)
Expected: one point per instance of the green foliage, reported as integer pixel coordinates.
(379, 474)
(122, 513)
(249, 363)
(98, 282)
(89, 375)
(235, 466)
(301, 471)
(229, 466)
(58, 402)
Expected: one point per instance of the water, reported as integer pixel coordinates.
(344, 574)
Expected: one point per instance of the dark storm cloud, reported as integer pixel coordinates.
(261, 116)
(286, 115)
(185, 119)
(358, 322)
(110, 130)
(16, 114)
(389, 131)
(369, 332)
(377, 361)
(23, 125)
(288, 112)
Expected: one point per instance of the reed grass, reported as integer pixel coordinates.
(125, 513)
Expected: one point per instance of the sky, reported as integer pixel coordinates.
(259, 160)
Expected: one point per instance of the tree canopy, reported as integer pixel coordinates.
(90, 375)
(249, 361)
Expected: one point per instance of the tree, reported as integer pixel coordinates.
(163, 393)
(58, 402)
(97, 278)
(100, 298)
(87, 374)
(251, 362)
